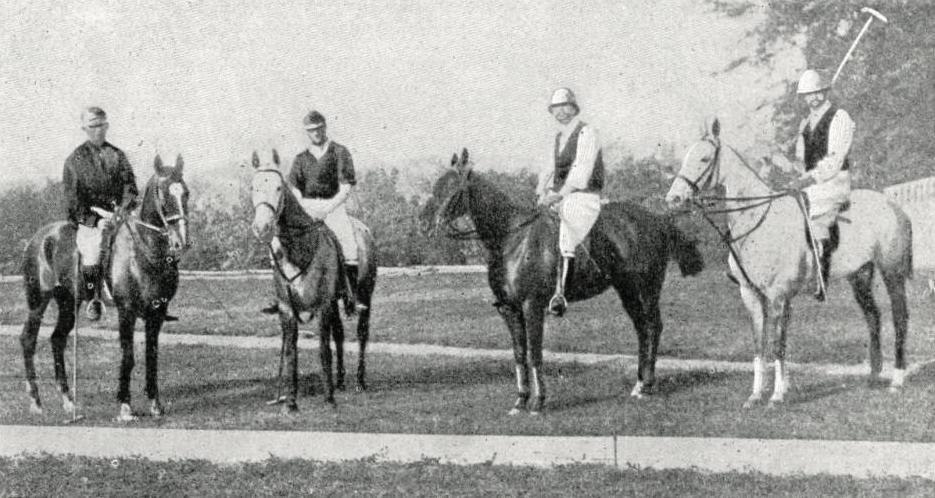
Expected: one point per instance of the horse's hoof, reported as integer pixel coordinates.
(330, 400)
(340, 386)
(67, 405)
(514, 412)
(534, 413)
(126, 414)
(775, 404)
(894, 389)
(637, 391)
(361, 387)
(156, 409)
(751, 402)
(35, 408)
(289, 408)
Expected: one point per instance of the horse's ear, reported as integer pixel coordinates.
(275, 157)
(464, 156)
(454, 160)
(157, 164)
(716, 127)
(179, 165)
(255, 160)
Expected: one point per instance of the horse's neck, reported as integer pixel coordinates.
(293, 215)
(492, 212)
(742, 183)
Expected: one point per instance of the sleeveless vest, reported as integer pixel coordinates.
(816, 141)
(565, 158)
(320, 175)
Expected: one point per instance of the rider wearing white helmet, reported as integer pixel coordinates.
(822, 146)
(573, 183)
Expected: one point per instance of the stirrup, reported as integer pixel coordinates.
(270, 309)
(558, 305)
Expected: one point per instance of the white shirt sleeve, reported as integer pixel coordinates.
(800, 142)
(840, 136)
(580, 174)
(546, 172)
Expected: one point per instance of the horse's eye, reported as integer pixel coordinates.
(705, 159)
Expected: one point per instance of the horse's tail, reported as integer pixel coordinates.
(685, 251)
(905, 261)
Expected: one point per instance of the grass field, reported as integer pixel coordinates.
(410, 394)
(703, 318)
(71, 476)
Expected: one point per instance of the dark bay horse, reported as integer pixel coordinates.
(772, 260)
(143, 276)
(311, 278)
(628, 249)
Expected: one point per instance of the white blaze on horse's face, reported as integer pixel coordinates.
(266, 192)
(178, 192)
(696, 165)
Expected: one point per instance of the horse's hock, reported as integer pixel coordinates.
(917, 198)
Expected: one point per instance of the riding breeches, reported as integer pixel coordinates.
(89, 239)
(578, 212)
(825, 202)
(340, 223)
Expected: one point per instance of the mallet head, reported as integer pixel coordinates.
(874, 13)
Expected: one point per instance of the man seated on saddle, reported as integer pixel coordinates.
(572, 185)
(97, 180)
(322, 177)
(822, 146)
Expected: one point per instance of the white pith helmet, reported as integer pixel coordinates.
(563, 96)
(811, 81)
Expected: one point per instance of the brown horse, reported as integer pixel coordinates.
(312, 280)
(772, 260)
(143, 274)
(628, 249)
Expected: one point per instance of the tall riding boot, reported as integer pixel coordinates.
(352, 302)
(92, 292)
(558, 304)
(824, 260)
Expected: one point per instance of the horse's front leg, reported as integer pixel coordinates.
(757, 312)
(783, 310)
(154, 320)
(63, 326)
(363, 334)
(329, 314)
(534, 315)
(127, 322)
(290, 339)
(27, 340)
(337, 333)
(517, 326)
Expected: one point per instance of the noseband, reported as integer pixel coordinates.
(710, 174)
(275, 209)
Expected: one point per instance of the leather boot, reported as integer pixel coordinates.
(352, 302)
(558, 304)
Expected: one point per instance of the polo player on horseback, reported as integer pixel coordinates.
(572, 186)
(822, 146)
(321, 178)
(98, 180)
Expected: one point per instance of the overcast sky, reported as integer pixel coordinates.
(397, 79)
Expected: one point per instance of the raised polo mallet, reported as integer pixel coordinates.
(873, 15)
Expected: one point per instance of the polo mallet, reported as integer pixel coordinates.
(873, 15)
(74, 350)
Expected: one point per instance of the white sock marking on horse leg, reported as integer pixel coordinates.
(758, 374)
(899, 378)
(519, 379)
(779, 381)
(637, 391)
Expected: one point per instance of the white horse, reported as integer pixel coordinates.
(772, 260)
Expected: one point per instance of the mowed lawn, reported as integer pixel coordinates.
(206, 387)
(94, 477)
(703, 317)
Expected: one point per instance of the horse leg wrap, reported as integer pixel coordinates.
(558, 304)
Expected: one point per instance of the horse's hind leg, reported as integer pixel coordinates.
(363, 335)
(756, 310)
(862, 283)
(27, 339)
(290, 338)
(153, 324)
(783, 312)
(896, 288)
(534, 317)
(328, 315)
(63, 326)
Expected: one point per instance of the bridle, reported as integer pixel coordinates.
(711, 174)
(161, 231)
(448, 226)
(277, 210)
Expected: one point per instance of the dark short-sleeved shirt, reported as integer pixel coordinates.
(97, 177)
(320, 178)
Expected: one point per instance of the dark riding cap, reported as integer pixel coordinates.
(93, 117)
(313, 120)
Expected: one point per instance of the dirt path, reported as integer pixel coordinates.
(665, 363)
